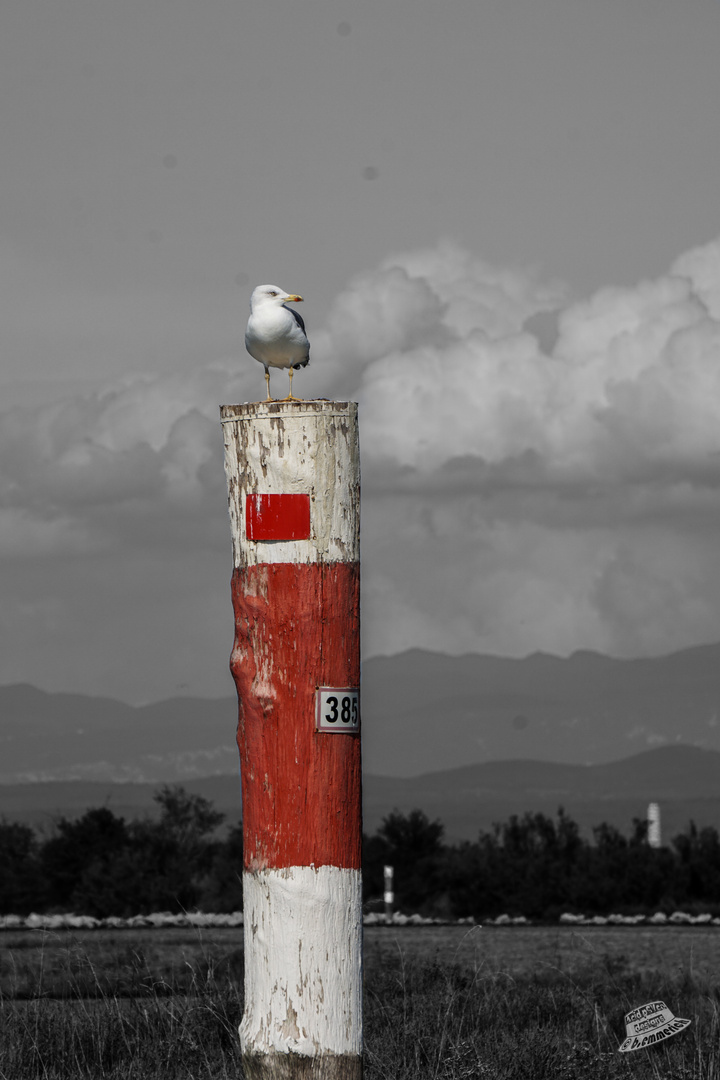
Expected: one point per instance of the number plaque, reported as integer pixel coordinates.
(337, 708)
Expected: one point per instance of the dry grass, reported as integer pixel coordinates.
(165, 1006)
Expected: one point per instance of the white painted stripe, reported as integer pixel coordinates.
(290, 448)
(303, 961)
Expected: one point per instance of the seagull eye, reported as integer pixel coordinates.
(272, 293)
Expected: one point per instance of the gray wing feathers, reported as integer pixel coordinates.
(297, 317)
(301, 323)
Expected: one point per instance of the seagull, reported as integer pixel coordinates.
(275, 333)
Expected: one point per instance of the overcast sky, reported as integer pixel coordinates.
(503, 215)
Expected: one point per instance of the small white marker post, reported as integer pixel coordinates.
(388, 895)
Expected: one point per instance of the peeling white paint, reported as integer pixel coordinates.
(308, 447)
(303, 961)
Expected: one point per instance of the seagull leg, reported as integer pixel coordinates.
(267, 383)
(291, 396)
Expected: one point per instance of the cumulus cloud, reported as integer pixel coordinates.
(114, 546)
(522, 490)
(424, 300)
(631, 380)
(543, 482)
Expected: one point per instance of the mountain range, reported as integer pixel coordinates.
(468, 739)
(685, 781)
(421, 712)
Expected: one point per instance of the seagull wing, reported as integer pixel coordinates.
(298, 318)
(299, 321)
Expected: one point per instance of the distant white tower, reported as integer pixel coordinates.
(653, 817)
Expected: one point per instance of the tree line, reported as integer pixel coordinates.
(101, 865)
(532, 865)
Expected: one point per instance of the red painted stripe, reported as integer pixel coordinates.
(277, 517)
(297, 627)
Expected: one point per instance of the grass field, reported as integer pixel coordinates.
(442, 1002)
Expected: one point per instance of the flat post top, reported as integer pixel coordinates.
(261, 410)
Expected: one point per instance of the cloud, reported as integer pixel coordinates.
(380, 313)
(631, 381)
(521, 490)
(536, 485)
(426, 300)
(114, 543)
(701, 268)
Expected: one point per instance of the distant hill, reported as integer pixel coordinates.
(425, 711)
(47, 736)
(421, 712)
(684, 780)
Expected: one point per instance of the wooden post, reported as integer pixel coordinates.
(388, 893)
(294, 497)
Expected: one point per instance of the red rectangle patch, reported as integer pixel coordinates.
(277, 517)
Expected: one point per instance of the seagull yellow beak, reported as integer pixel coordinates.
(292, 296)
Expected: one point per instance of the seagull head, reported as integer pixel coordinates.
(271, 294)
